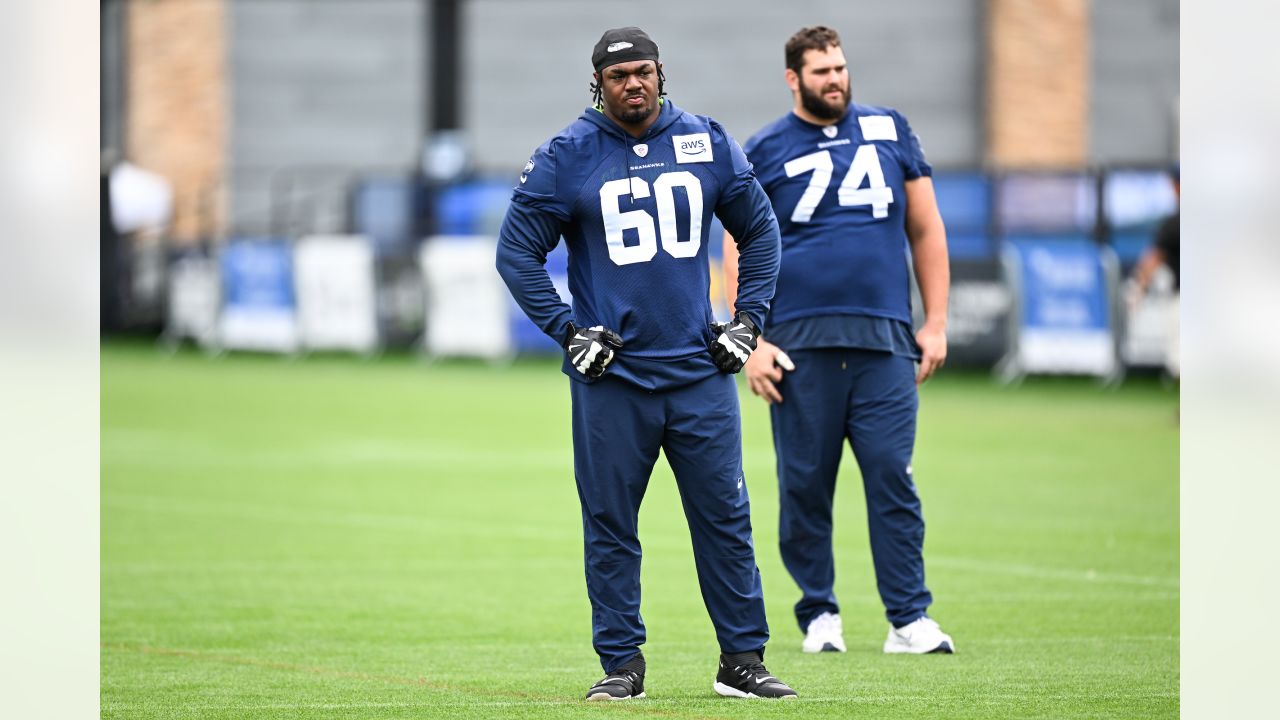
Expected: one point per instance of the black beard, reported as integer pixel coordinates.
(820, 108)
(636, 116)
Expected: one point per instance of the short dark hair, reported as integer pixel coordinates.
(818, 37)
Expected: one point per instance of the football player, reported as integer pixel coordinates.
(852, 193)
(631, 186)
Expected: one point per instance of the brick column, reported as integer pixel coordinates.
(1037, 83)
(176, 106)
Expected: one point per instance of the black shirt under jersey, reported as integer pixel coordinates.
(1167, 241)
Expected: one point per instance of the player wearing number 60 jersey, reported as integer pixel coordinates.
(855, 204)
(635, 211)
(631, 186)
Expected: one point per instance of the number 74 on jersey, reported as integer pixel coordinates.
(866, 164)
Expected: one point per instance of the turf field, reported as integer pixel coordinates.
(334, 537)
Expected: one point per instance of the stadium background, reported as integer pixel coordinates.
(298, 153)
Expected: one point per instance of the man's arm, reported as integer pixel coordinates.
(928, 238)
(526, 237)
(1152, 258)
(764, 367)
(746, 213)
(730, 271)
(749, 217)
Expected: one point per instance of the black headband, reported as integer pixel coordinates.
(621, 45)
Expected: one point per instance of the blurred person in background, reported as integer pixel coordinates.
(136, 207)
(1163, 252)
(631, 185)
(852, 192)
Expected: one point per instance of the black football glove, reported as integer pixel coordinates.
(591, 349)
(733, 342)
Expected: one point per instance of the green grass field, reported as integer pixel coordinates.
(332, 537)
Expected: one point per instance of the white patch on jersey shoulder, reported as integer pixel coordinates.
(695, 148)
(878, 127)
(528, 168)
(641, 149)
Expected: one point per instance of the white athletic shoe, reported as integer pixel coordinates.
(919, 638)
(825, 634)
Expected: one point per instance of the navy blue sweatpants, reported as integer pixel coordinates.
(618, 429)
(868, 398)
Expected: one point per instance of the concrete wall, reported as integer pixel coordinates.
(321, 90)
(528, 65)
(112, 73)
(229, 94)
(1135, 81)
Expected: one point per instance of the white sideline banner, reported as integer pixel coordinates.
(337, 305)
(1065, 289)
(259, 311)
(467, 313)
(1150, 322)
(1067, 351)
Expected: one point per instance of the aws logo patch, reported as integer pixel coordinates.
(694, 148)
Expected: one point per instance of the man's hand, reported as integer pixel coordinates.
(591, 349)
(764, 371)
(733, 342)
(933, 350)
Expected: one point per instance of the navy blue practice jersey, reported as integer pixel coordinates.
(839, 196)
(635, 215)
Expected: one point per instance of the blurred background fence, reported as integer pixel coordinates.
(293, 175)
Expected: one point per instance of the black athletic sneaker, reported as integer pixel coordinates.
(622, 684)
(743, 675)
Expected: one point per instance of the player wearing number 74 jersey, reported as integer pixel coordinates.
(631, 186)
(852, 192)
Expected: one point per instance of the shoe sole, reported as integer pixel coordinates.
(727, 691)
(945, 648)
(607, 696)
(826, 647)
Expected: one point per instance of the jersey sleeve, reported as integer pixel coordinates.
(757, 155)
(749, 219)
(748, 216)
(913, 162)
(531, 229)
(542, 185)
(527, 235)
(736, 173)
(752, 147)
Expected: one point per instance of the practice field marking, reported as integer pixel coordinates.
(373, 705)
(289, 706)
(421, 525)
(1081, 596)
(897, 699)
(156, 447)
(276, 665)
(418, 524)
(1048, 573)
(515, 698)
(1110, 639)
